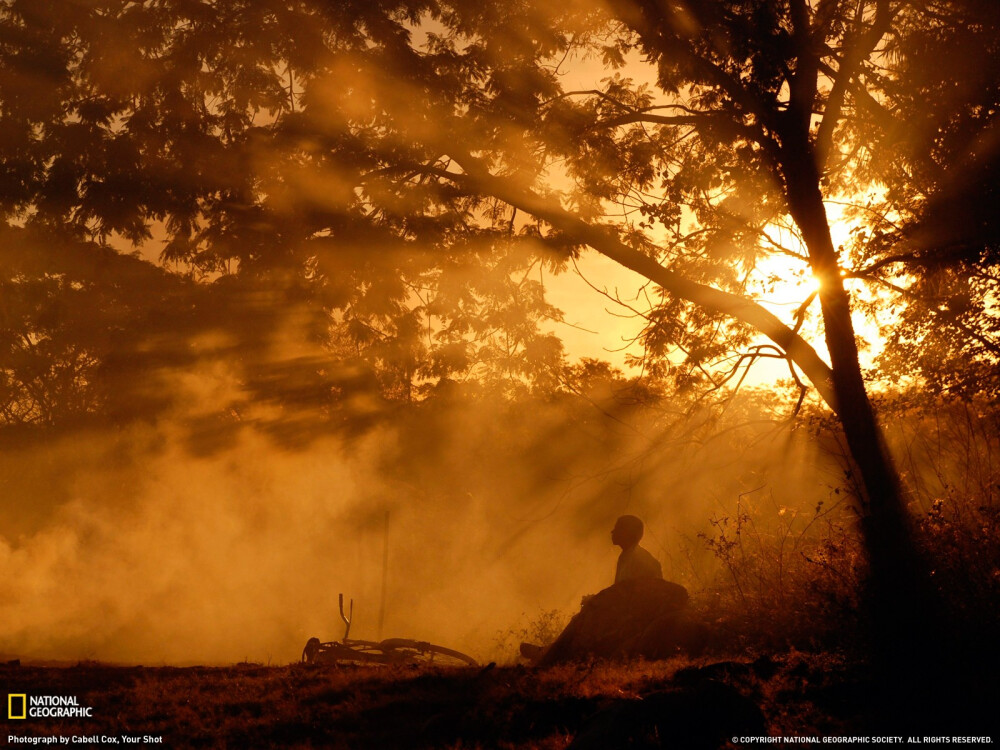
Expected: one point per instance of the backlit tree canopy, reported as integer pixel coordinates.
(376, 190)
(383, 156)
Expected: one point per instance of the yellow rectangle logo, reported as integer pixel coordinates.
(17, 706)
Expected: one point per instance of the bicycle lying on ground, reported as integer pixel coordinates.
(389, 651)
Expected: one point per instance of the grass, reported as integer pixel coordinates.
(300, 706)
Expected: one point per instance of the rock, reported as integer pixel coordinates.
(641, 617)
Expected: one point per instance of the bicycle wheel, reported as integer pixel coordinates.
(346, 652)
(422, 652)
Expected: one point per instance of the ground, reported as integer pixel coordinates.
(676, 702)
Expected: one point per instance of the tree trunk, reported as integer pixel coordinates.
(902, 601)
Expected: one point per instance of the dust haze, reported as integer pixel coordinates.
(137, 545)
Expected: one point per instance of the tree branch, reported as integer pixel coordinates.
(992, 346)
(651, 119)
(655, 24)
(803, 81)
(605, 241)
(858, 48)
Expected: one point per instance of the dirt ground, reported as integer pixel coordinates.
(677, 703)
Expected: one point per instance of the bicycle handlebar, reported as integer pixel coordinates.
(346, 618)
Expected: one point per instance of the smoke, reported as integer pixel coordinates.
(263, 474)
(132, 547)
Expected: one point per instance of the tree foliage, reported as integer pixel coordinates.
(409, 170)
(194, 126)
(931, 238)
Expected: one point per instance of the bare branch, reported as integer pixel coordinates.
(605, 241)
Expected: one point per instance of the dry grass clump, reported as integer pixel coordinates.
(784, 577)
(541, 628)
(793, 577)
(949, 453)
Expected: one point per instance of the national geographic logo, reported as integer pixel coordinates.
(23, 706)
(17, 706)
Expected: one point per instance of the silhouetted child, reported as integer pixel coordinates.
(638, 597)
(634, 561)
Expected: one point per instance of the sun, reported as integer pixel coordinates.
(783, 279)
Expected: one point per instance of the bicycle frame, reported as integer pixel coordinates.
(389, 651)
